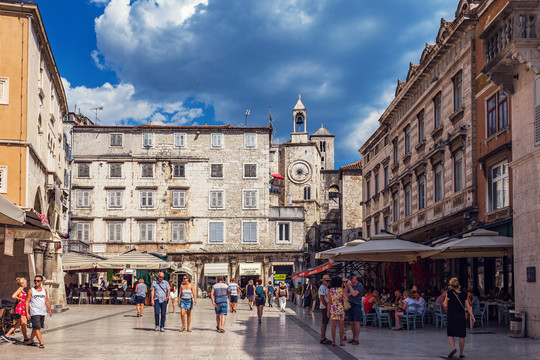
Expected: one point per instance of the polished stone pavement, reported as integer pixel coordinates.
(113, 332)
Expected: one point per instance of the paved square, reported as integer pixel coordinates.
(113, 331)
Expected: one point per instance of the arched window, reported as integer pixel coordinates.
(333, 192)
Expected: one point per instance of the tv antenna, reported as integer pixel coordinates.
(96, 109)
(247, 114)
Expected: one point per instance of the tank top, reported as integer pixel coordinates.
(259, 290)
(37, 302)
(186, 294)
(141, 289)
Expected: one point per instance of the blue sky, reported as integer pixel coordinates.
(207, 61)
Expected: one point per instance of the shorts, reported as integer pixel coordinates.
(260, 301)
(38, 322)
(172, 296)
(186, 304)
(233, 299)
(355, 312)
(221, 309)
(324, 315)
(140, 299)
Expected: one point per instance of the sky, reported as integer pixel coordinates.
(189, 62)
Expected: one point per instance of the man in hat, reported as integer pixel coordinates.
(323, 297)
(355, 289)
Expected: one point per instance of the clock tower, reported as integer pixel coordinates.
(299, 134)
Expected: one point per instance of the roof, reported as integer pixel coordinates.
(322, 132)
(299, 105)
(171, 127)
(357, 165)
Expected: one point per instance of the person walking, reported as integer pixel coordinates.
(260, 298)
(323, 300)
(37, 305)
(20, 311)
(456, 305)
(173, 296)
(233, 294)
(355, 289)
(283, 294)
(306, 296)
(271, 293)
(140, 296)
(250, 293)
(160, 291)
(336, 309)
(219, 295)
(186, 302)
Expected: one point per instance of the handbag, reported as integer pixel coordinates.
(346, 305)
(133, 297)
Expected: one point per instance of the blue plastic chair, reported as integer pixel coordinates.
(440, 316)
(383, 317)
(420, 317)
(430, 313)
(480, 316)
(372, 317)
(410, 317)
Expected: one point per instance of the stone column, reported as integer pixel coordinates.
(233, 274)
(197, 281)
(38, 259)
(266, 271)
(48, 263)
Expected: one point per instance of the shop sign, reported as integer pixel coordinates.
(9, 240)
(280, 276)
(250, 269)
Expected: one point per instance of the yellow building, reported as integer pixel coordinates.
(32, 156)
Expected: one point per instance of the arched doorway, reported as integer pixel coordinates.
(37, 201)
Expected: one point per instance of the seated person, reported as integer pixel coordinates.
(405, 307)
(398, 297)
(370, 300)
(418, 299)
(441, 297)
(474, 301)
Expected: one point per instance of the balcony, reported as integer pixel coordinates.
(511, 40)
(275, 189)
(287, 213)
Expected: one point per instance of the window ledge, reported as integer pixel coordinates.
(437, 131)
(420, 146)
(407, 157)
(496, 135)
(457, 115)
(395, 167)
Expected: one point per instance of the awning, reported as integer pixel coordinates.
(135, 260)
(479, 243)
(250, 269)
(329, 254)
(313, 271)
(73, 261)
(10, 213)
(216, 269)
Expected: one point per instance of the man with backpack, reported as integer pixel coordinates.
(283, 294)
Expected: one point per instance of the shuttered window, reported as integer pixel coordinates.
(83, 170)
(116, 139)
(83, 232)
(249, 232)
(115, 232)
(178, 199)
(250, 171)
(250, 199)
(216, 199)
(216, 232)
(179, 170)
(114, 198)
(217, 141)
(148, 139)
(178, 232)
(180, 140)
(537, 111)
(147, 199)
(147, 231)
(83, 198)
(250, 141)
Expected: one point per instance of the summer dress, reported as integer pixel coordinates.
(337, 311)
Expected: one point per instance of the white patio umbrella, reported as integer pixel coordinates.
(329, 254)
(135, 260)
(78, 262)
(479, 243)
(10, 213)
(384, 248)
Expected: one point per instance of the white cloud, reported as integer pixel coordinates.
(95, 56)
(120, 105)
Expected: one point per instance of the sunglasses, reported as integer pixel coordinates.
(38, 280)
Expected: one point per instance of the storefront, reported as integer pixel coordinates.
(212, 271)
(282, 272)
(249, 271)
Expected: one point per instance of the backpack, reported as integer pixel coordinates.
(259, 291)
(283, 291)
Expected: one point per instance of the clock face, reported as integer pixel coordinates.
(299, 172)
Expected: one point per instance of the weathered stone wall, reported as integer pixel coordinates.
(351, 197)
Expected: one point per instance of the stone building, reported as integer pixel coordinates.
(32, 165)
(511, 59)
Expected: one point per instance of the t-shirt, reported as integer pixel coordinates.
(160, 290)
(358, 298)
(323, 290)
(409, 302)
(233, 288)
(421, 304)
(220, 293)
(440, 299)
(368, 305)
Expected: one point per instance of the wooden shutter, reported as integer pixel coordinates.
(537, 111)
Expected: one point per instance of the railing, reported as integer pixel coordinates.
(275, 189)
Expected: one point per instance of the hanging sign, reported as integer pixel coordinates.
(9, 240)
(28, 246)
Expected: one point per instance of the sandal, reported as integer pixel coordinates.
(42, 346)
(182, 329)
(31, 344)
(325, 341)
(342, 344)
(356, 342)
(452, 353)
(188, 330)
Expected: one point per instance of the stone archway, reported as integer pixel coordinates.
(37, 201)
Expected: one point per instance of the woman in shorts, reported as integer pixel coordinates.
(140, 296)
(250, 292)
(260, 298)
(172, 296)
(186, 302)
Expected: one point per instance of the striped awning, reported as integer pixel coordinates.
(135, 260)
(77, 261)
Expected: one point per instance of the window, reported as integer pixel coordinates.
(250, 199)
(386, 178)
(116, 139)
(83, 170)
(408, 200)
(536, 95)
(368, 230)
(114, 199)
(457, 80)
(216, 199)
(407, 134)
(307, 193)
(147, 231)
(216, 232)
(114, 231)
(421, 192)
(437, 110)
(217, 141)
(3, 179)
(250, 141)
(250, 171)
(395, 206)
(284, 232)
(178, 232)
(499, 195)
(376, 226)
(147, 199)
(249, 232)
(386, 222)
(180, 140)
(83, 198)
(216, 170)
(497, 113)
(179, 170)
(83, 232)
(368, 189)
(4, 90)
(322, 146)
(115, 170)
(148, 140)
(438, 183)
(147, 170)
(376, 181)
(421, 132)
(178, 199)
(458, 170)
(395, 151)
(386, 140)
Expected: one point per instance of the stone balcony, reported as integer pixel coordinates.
(286, 213)
(512, 39)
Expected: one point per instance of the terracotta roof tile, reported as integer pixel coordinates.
(357, 165)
